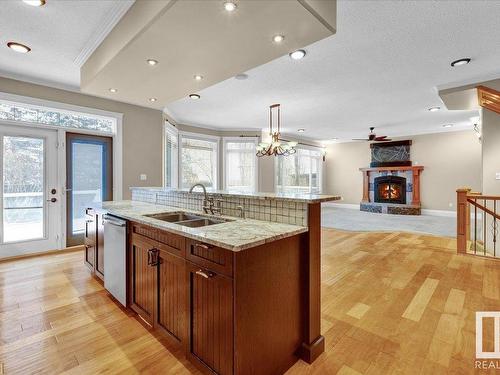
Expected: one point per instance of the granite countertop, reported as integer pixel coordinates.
(295, 197)
(235, 235)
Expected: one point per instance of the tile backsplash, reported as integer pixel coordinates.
(267, 209)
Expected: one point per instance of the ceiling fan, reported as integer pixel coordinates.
(372, 137)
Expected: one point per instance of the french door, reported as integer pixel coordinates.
(29, 197)
(89, 179)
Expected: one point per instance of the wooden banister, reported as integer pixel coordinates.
(478, 223)
(463, 220)
(489, 98)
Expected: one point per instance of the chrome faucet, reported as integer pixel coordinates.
(208, 202)
(242, 211)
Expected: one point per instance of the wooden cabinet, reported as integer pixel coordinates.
(90, 238)
(210, 311)
(94, 242)
(170, 294)
(231, 312)
(142, 277)
(99, 248)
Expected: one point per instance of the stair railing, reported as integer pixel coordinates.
(478, 223)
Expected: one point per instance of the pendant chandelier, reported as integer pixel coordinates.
(277, 147)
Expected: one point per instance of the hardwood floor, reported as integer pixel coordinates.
(392, 303)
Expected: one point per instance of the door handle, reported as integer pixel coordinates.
(206, 275)
(153, 257)
(52, 200)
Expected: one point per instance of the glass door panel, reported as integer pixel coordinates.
(30, 208)
(89, 179)
(23, 189)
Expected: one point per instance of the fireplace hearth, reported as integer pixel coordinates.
(390, 189)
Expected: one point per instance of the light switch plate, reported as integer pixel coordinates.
(497, 176)
(143, 177)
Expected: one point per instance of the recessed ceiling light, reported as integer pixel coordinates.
(297, 55)
(301, 130)
(447, 125)
(198, 77)
(18, 47)
(434, 109)
(152, 62)
(194, 96)
(153, 100)
(229, 6)
(113, 90)
(460, 62)
(278, 38)
(241, 76)
(35, 3)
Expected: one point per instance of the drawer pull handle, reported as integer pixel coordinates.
(206, 275)
(202, 246)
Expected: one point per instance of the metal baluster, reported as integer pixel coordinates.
(484, 227)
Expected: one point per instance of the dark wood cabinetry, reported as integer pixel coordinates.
(142, 277)
(171, 295)
(210, 311)
(94, 242)
(232, 312)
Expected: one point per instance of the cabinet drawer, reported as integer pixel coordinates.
(211, 257)
(170, 242)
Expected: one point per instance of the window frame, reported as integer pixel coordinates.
(320, 169)
(168, 128)
(201, 137)
(255, 141)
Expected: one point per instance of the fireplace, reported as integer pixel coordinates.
(390, 189)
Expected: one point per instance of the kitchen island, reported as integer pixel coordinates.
(241, 296)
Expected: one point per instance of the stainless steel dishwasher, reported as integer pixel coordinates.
(115, 264)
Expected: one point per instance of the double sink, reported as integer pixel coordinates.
(187, 219)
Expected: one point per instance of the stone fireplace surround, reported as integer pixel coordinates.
(412, 205)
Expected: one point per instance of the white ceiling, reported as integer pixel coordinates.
(62, 34)
(381, 69)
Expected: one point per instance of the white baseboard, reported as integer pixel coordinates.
(439, 213)
(342, 205)
(424, 211)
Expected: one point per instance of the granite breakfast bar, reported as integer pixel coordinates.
(241, 296)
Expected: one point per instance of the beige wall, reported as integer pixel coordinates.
(491, 152)
(142, 130)
(451, 160)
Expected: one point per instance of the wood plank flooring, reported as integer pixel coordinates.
(392, 303)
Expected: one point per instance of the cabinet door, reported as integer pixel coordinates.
(142, 278)
(171, 295)
(210, 309)
(90, 239)
(99, 248)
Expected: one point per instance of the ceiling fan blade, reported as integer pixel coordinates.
(360, 139)
(381, 138)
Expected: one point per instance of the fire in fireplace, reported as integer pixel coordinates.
(390, 189)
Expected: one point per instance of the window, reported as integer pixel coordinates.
(171, 155)
(300, 172)
(198, 161)
(12, 111)
(240, 164)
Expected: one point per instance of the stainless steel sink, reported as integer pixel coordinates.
(187, 220)
(173, 217)
(201, 222)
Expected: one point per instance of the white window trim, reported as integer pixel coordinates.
(169, 128)
(225, 140)
(320, 168)
(61, 140)
(202, 137)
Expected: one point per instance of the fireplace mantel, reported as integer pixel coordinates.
(415, 170)
(387, 169)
